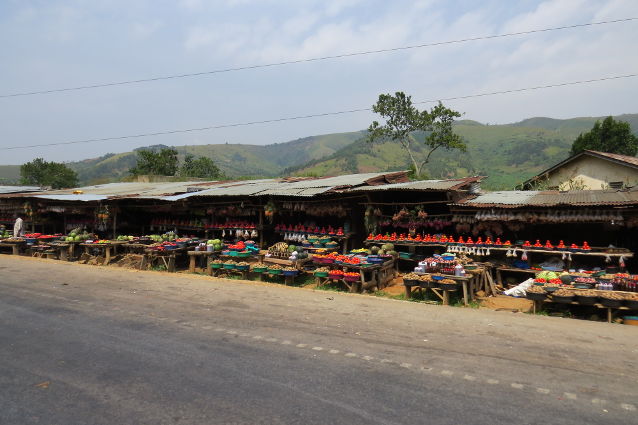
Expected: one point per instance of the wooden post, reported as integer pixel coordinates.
(609, 315)
(114, 224)
(191, 264)
(261, 227)
(408, 292)
(446, 297)
(64, 253)
(107, 255)
(464, 283)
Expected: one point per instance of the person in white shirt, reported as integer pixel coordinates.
(18, 227)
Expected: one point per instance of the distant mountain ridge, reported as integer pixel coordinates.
(507, 153)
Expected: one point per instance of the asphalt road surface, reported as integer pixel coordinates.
(93, 345)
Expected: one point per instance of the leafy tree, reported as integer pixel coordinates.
(611, 136)
(43, 173)
(162, 163)
(402, 119)
(201, 167)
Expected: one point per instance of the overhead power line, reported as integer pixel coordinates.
(316, 59)
(324, 114)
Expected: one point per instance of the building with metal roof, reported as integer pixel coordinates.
(552, 198)
(19, 189)
(588, 170)
(424, 185)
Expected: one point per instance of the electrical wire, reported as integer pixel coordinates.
(324, 114)
(316, 59)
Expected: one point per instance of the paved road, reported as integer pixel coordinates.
(92, 345)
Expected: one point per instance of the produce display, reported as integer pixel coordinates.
(77, 236)
(259, 267)
(301, 230)
(488, 242)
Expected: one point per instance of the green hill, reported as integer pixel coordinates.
(9, 174)
(508, 154)
(233, 159)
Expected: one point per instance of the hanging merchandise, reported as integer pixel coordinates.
(548, 216)
(370, 220)
(269, 211)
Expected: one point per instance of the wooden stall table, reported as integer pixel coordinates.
(611, 311)
(165, 257)
(44, 251)
(108, 249)
(380, 275)
(65, 250)
(62, 250)
(15, 246)
(286, 263)
(467, 283)
(194, 255)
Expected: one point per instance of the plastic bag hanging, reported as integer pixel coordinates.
(621, 262)
(607, 259)
(524, 256)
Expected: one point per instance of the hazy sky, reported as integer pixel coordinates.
(49, 44)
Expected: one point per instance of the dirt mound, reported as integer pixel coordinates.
(505, 303)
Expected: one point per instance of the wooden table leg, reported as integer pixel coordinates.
(171, 264)
(107, 255)
(144, 262)
(191, 264)
(446, 297)
(15, 250)
(472, 287)
(408, 292)
(609, 315)
(63, 253)
(209, 268)
(465, 293)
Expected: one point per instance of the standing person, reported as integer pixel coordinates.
(18, 227)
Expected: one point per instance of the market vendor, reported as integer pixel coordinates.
(18, 227)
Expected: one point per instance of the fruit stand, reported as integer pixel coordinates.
(103, 248)
(16, 245)
(154, 257)
(356, 272)
(613, 302)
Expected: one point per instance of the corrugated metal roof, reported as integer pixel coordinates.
(630, 160)
(518, 199)
(291, 186)
(19, 189)
(174, 191)
(450, 184)
(67, 197)
(130, 189)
